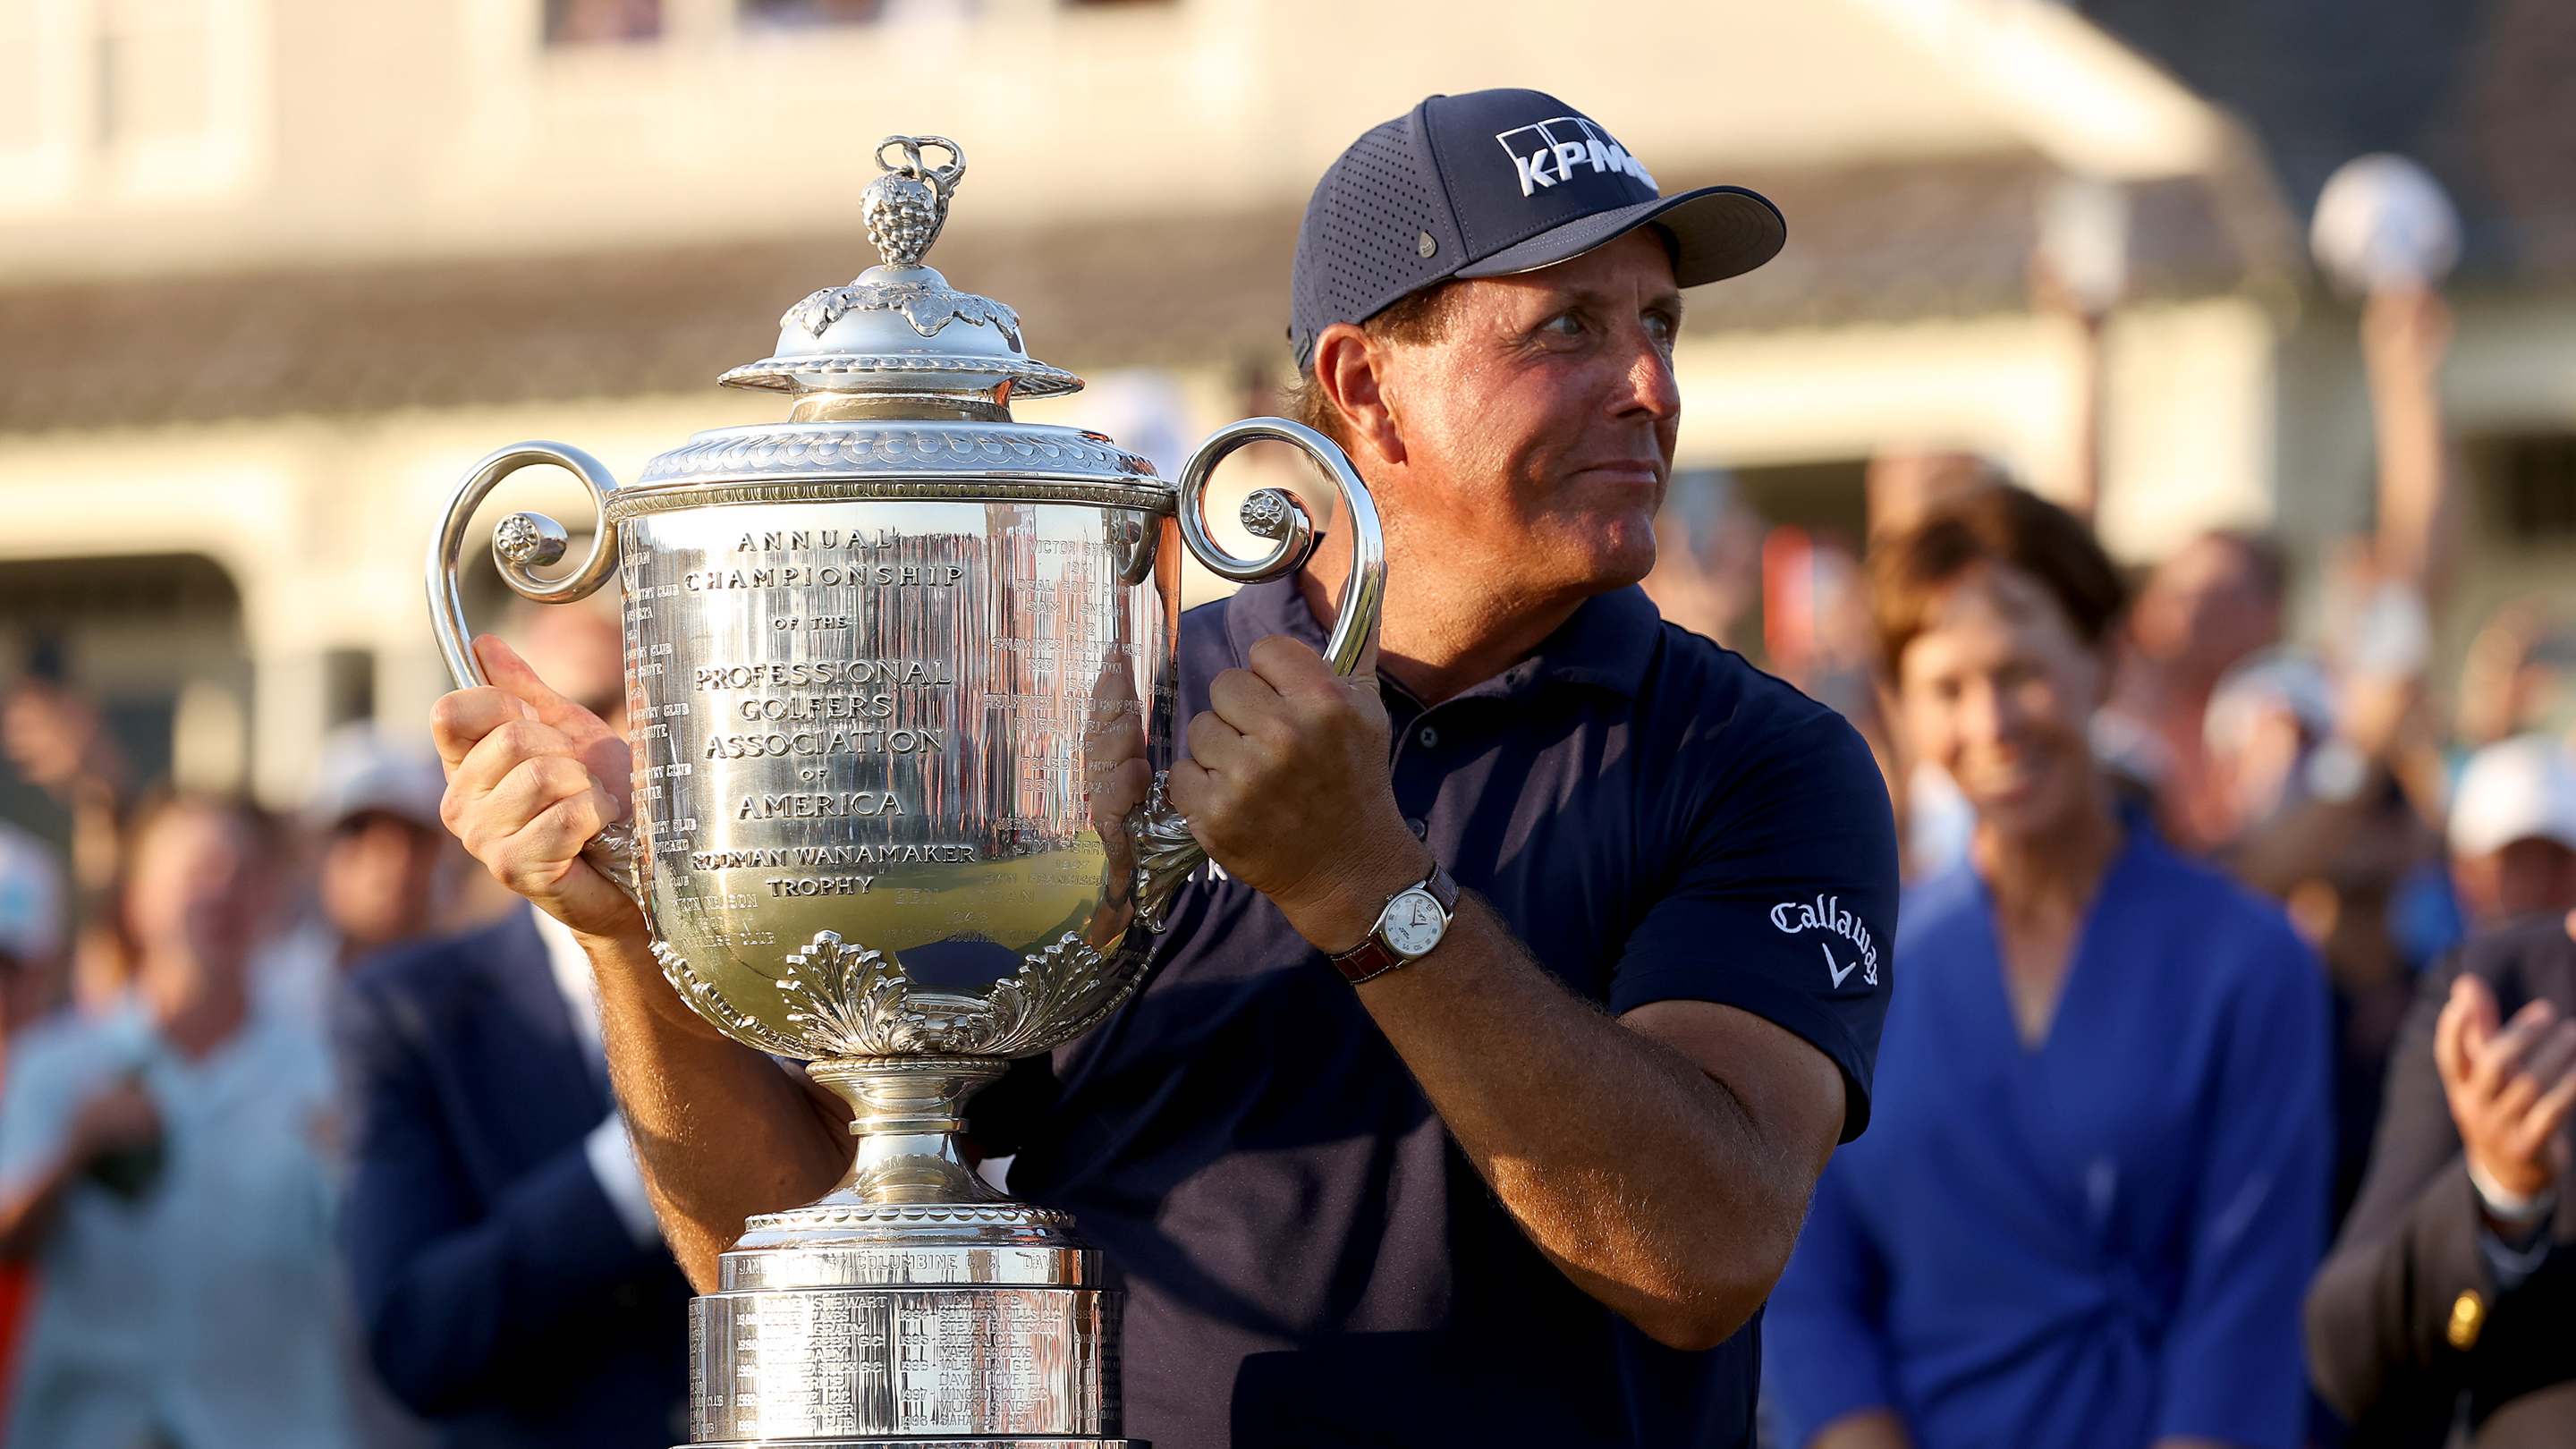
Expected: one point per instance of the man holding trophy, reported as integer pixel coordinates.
(1474, 1092)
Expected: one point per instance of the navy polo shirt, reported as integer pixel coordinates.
(1309, 1260)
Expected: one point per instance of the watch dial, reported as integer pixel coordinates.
(1413, 923)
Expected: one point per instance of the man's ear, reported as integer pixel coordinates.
(1350, 368)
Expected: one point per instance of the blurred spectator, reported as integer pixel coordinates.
(1708, 557)
(31, 928)
(2449, 1294)
(2513, 831)
(2513, 677)
(1933, 819)
(2327, 792)
(377, 883)
(510, 1278)
(1904, 484)
(57, 740)
(31, 949)
(580, 649)
(585, 22)
(2095, 1188)
(1815, 623)
(2210, 604)
(1816, 634)
(2259, 731)
(160, 1163)
(374, 809)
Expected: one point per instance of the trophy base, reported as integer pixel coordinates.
(1023, 1442)
(1051, 1442)
(916, 1346)
(916, 1305)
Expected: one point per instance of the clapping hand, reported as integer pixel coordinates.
(2510, 1087)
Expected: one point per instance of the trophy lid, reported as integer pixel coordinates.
(899, 342)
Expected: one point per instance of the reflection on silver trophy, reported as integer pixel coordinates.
(877, 656)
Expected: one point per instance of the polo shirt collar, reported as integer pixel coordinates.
(1608, 643)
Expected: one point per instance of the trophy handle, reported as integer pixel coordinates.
(520, 542)
(1166, 852)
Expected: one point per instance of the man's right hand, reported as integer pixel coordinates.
(531, 778)
(2510, 1088)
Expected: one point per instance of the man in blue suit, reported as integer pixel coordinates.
(509, 1277)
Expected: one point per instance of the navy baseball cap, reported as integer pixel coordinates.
(1490, 183)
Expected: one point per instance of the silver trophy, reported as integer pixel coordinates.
(876, 656)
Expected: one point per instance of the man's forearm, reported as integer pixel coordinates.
(1648, 1183)
(721, 1131)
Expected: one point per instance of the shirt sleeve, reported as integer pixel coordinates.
(51, 1072)
(1824, 1349)
(611, 1154)
(1785, 901)
(2232, 1367)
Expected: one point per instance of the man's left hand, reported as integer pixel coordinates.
(1287, 788)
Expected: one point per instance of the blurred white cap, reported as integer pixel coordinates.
(2523, 788)
(2382, 221)
(361, 771)
(31, 896)
(2279, 680)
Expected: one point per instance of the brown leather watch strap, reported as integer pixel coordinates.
(1372, 957)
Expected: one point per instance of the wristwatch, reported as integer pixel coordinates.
(1410, 928)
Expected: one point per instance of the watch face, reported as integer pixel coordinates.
(1413, 924)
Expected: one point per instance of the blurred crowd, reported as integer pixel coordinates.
(305, 1136)
(216, 1226)
(2416, 836)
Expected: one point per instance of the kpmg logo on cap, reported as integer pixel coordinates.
(1548, 152)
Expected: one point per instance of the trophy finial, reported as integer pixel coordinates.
(906, 207)
(884, 346)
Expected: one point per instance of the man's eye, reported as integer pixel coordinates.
(1564, 324)
(1660, 328)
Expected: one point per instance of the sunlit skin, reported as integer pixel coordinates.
(1997, 690)
(1662, 1160)
(1518, 462)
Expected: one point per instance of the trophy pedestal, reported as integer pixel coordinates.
(867, 1344)
(914, 1306)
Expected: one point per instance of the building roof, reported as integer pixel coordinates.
(1889, 242)
(2481, 93)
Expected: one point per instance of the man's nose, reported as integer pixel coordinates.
(1650, 387)
(1982, 713)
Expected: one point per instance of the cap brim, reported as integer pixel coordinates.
(1717, 231)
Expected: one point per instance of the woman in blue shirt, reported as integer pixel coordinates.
(2096, 1184)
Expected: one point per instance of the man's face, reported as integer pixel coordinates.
(1536, 431)
(193, 896)
(2204, 609)
(1997, 690)
(376, 878)
(2532, 874)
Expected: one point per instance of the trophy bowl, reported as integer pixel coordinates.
(889, 667)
